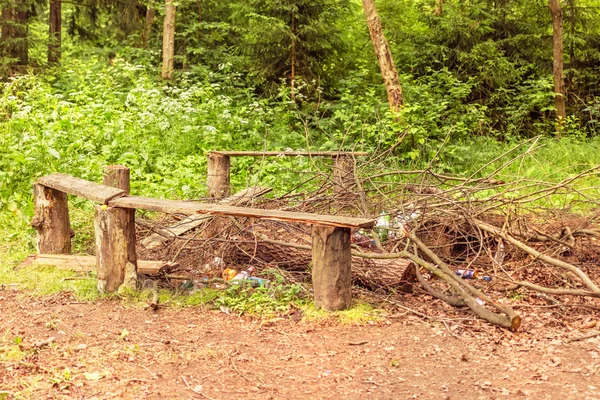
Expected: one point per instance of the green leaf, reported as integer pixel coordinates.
(54, 153)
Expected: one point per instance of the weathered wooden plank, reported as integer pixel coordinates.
(80, 187)
(81, 263)
(234, 153)
(184, 207)
(242, 197)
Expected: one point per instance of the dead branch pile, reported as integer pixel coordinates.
(510, 232)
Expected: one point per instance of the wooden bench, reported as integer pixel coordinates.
(219, 166)
(114, 222)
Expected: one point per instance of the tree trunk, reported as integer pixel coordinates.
(572, 60)
(293, 37)
(168, 40)
(54, 37)
(14, 33)
(384, 56)
(439, 8)
(557, 69)
(150, 14)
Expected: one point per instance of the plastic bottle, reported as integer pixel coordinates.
(499, 257)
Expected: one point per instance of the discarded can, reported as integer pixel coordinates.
(467, 273)
(229, 274)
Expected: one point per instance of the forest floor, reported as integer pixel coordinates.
(59, 347)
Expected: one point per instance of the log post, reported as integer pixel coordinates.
(51, 220)
(331, 267)
(116, 260)
(218, 175)
(117, 176)
(343, 174)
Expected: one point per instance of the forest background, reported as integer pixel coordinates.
(85, 84)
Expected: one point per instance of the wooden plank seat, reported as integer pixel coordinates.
(186, 207)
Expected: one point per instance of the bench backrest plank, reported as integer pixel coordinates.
(80, 187)
(184, 207)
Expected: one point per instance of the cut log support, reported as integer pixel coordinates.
(115, 248)
(343, 174)
(218, 175)
(331, 267)
(51, 220)
(117, 176)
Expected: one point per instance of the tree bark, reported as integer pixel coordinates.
(168, 40)
(116, 259)
(293, 37)
(14, 33)
(439, 8)
(51, 220)
(54, 37)
(557, 66)
(331, 267)
(384, 56)
(150, 14)
(218, 176)
(117, 176)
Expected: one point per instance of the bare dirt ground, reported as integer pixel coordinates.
(105, 350)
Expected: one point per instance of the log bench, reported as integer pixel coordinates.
(218, 165)
(114, 222)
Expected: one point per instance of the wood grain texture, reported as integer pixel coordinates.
(80, 187)
(183, 207)
(115, 248)
(331, 267)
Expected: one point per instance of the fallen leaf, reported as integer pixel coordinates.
(93, 376)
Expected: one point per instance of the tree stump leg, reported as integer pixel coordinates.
(51, 220)
(218, 176)
(343, 174)
(117, 176)
(331, 267)
(116, 259)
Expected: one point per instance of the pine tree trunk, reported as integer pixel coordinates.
(293, 37)
(439, 8)
(384, 56)
(150, 14)
(557, 69)
(14, 33)
(168, 40)
(54, 37)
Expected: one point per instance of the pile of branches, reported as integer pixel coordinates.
(432, 226)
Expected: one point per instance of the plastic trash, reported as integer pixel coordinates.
(499, 257)
(467, 273)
